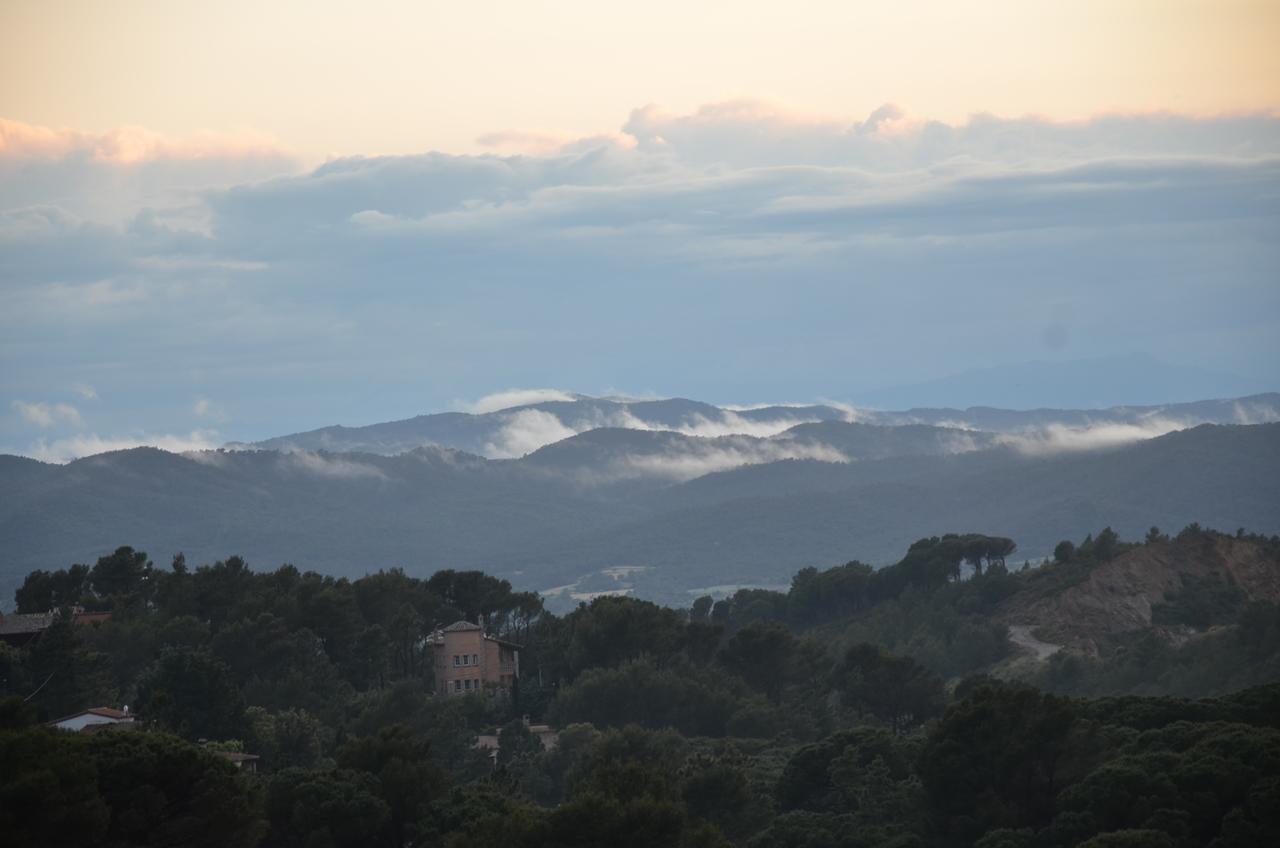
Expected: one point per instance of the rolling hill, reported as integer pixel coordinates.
(684, 512)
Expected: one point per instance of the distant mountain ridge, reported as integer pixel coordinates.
(519, 430)
(683, 512)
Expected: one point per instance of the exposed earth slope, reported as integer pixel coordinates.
(1143, 588)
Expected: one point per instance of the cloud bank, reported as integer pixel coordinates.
(736, 249)
(719, 455)
(129, 145)
(1060, 438)
(526, 430)
(114, 176)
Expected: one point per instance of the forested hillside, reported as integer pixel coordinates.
(860, 707)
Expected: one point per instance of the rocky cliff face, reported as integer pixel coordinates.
(1119, 596)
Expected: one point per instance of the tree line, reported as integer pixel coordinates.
(813, 717)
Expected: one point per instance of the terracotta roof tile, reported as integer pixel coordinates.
(108, 712)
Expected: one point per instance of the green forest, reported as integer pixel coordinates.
(863, 708)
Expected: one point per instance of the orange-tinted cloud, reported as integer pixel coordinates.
(132, 145)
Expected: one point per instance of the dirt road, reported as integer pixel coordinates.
(1020, 635)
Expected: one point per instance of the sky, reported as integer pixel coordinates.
(231, 221)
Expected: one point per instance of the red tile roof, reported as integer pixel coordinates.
(108, 712)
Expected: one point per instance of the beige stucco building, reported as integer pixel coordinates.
(469, 660)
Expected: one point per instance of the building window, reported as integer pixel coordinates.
(457, 660)
(467, 684)
(457, 685)
(475, 659)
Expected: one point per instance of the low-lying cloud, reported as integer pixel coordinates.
(88, 444)
(1059, 438)
(679, 466)
(527, 430)
(1252, 412)
(524, 432)
(337, 467)
(511, 398)
(730, 423)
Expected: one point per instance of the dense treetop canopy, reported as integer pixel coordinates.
(861, 707)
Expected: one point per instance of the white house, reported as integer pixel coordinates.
(93, 717)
